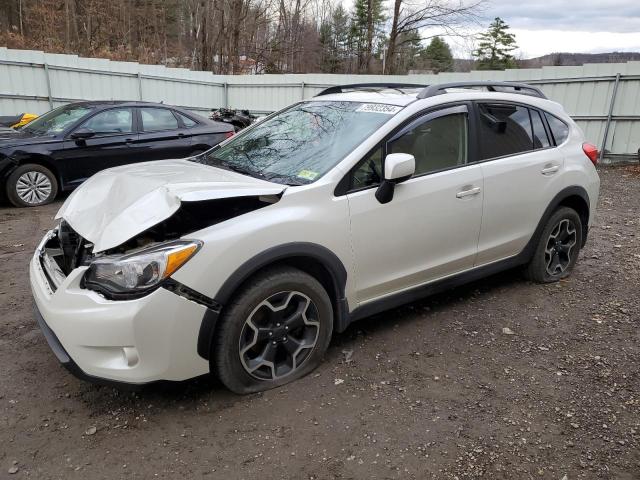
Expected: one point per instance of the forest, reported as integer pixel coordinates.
(246, 36)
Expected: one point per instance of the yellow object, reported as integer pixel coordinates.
(177, 258)
(26, 118)
(307, 174)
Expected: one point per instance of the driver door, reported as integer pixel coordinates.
(430, 228)
(111, 145)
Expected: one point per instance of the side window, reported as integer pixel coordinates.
(368, 172)
(154, 119)
(559, 129)
(117, 120)
(503, 130)
(188, 123)
(540, 138)
(436, 144)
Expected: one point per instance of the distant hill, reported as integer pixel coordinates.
(559, 59)
(573, 59)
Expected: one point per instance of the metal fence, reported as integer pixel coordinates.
(604, 99)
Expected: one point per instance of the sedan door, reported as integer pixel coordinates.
(112, 143)
(161, 135)
(430, 228)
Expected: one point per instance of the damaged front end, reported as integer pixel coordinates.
(145, 261)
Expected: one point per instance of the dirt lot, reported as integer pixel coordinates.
(431, 390)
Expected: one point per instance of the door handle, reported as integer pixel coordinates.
(550, 170)
(468, 193)
(128, 140)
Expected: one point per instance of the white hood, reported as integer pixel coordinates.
(116, 204)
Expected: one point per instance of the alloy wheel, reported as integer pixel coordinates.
(33, 187)
(279, 335)
(559, 247)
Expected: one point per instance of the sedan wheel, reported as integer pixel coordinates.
(33, 188)
(31, 185)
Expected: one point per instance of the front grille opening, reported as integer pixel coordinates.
(69, 249)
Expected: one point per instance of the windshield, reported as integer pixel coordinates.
(56, 121)
(300, 144)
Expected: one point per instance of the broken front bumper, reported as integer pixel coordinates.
(133, 341)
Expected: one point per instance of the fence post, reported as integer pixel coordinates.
(302, 90)
(226, 95)
(609, 116)
(139, 75)
(46, 75)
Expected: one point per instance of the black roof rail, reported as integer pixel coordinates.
(368, 86)
(520, 88)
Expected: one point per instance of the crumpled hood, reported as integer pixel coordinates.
(116, 204)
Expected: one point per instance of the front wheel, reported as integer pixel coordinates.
(558, 247)
(31, 185)
(276, 330)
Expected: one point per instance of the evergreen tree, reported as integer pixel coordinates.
(438, 56)
(366, 27)
(495, 47)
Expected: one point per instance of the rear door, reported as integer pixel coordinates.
(430, 228)
(522, 173)
(113, 144)
(162, 135)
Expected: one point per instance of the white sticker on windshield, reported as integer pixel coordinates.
(379, 108)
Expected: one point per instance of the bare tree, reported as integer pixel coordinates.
(411, 16)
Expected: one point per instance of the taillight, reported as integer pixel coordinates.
(228, 134)
(591, 151)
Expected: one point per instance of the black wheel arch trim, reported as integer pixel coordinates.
(280, 253)
(564, 194)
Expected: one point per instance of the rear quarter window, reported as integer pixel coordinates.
(559, 129)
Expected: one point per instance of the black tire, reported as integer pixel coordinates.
(44, 186)
(231, 334)
(198, 151)
(558, 247)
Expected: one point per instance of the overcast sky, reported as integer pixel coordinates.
(547, 26)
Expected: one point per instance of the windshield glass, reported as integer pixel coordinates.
(300, 144)
(56, 121)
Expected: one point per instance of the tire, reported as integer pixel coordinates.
(198, 151)
(31, 185)
(558, 247)
(243, 345)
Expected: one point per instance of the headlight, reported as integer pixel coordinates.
(138, 272)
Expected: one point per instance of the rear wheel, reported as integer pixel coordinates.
(275, 331)
(31, 185)
(558, 247)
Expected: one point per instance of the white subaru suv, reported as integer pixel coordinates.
(244, 260)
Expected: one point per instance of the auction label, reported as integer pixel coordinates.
(379, 108)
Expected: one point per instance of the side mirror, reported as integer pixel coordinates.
(398, 167)
(82, 134)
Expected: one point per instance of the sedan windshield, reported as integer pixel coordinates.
(56, 121)
(300, 144)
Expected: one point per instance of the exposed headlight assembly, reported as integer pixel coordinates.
(137, 273)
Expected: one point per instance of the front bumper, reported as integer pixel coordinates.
(133, 341)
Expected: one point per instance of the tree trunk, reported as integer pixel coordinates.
(369, 51)
(393, 38)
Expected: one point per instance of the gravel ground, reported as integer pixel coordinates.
(435, 389)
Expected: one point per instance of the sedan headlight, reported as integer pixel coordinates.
(138, 272)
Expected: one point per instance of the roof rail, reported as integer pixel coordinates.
(367, 86)
(520, 88)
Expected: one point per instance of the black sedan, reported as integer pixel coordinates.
(62, 148)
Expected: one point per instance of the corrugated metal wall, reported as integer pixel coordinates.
(33, 81)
